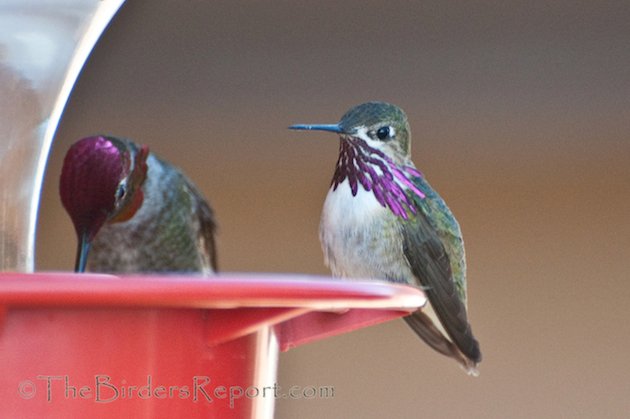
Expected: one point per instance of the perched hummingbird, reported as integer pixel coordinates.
(381, 219)
(136, 212)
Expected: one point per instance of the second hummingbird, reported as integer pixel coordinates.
(134, 212)
(382, 219)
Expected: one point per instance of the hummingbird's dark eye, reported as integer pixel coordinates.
(121, 191)
(382, 133)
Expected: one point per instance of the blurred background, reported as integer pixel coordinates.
(520, 113)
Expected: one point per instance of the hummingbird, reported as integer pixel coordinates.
(381, 219)
(133, 211)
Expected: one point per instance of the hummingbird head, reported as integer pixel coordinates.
(377, 125)
(101, 181)
(375, 154)
(382, 126)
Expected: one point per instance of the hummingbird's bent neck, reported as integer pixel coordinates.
(374, 171)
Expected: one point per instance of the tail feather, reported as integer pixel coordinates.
(423, 326)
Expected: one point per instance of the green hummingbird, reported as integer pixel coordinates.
(381, 219)
(134, 212)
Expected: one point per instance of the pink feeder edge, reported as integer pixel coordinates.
(169, 346)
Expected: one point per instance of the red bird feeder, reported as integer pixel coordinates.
(175, 346)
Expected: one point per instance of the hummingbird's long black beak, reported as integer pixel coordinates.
(318, 127)
(82, 253)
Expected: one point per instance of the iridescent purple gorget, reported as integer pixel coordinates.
(376, 172)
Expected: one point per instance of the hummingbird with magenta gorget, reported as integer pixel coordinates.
(133, 211)
(381, 219)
